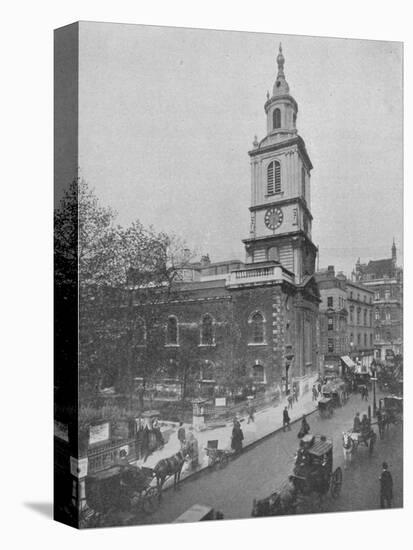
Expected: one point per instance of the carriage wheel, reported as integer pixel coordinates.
(223, 461)
(150, 500)
(336, 482)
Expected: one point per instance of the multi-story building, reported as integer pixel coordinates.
(385, 279)
(334, 341)
(257, 320)
(360, 322)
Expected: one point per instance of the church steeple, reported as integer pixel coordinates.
(281, 108)
(280, 85)
(394, 252)
(281, 218)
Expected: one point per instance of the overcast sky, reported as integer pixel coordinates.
(168, 115)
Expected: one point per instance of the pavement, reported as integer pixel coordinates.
(266, 422)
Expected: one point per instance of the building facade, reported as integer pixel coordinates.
(360, 323)
(385, 279)
(252, 323)
(334, 338)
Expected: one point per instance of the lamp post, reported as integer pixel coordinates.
(374, 380)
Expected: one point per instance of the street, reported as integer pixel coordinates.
(264, 468)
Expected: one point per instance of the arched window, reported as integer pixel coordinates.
(273, 253)
(257, 332)
(273, 178)
(377, 314)
(172, 331)
(207, 330)
(351, 338)
(276, 118)
(140, 332)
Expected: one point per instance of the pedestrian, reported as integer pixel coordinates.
(237, 438)
(290, 401)
(315, 393)
(386, 487)
(181, 434)
(158, 434)
(319, 387)
(295, 393)
(286, 419)
(305, 427)
(251, 412)
(193, 449)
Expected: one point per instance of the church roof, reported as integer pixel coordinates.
(379, 268)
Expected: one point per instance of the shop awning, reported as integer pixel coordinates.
(349, 362)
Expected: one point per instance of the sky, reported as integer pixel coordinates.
(167, 117)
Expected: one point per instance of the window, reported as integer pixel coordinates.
(140, 332)
(274, 178)
(365, 340)
(257, 328)
(330, 323)
(351, 314)
(330, 345)
(371, 340)
(377, 314)
(273, 253)
(387, 294)
(276, 119)
(388, 316)
(365, 317)
(207, 371)
(358, 315)
(295, 216)
(377, 295)
(329, 301)
(377, 336)
(370, 318)
(172, 332)
(351, 338)
(207, 331)
(358, 339)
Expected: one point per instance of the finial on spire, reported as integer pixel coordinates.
(280, 61)
(268, 94)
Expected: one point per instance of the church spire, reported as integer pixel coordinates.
(394, 252)
(280, 85)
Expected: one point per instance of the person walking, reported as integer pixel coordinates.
(181, 434)
(237, 438)
(315, 393)
(290, 401)
(305, 427)
(386, 487)
(250, 412)
(286, 419)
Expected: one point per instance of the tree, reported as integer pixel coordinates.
(115, 272)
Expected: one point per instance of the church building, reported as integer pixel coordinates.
(252, 324)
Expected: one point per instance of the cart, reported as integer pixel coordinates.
(313, 475)
(199, 512)
(325, 407)
(217, 458)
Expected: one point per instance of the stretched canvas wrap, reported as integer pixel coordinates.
(228, 275)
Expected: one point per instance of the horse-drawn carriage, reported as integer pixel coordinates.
(390, 412)
(120, 488)
(333, 394)
(313, 475)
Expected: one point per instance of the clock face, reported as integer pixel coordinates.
(273, 218)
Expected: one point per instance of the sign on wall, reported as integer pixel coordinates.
(61, 431)
(99, 433)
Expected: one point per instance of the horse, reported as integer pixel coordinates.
(171, 466)
(348, 448)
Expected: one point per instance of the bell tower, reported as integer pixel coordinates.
(280, 188)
